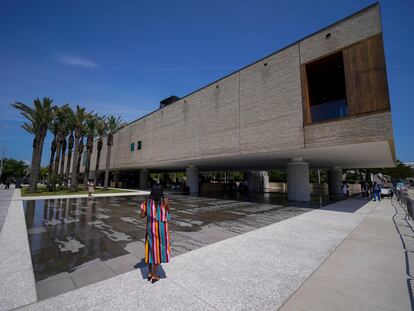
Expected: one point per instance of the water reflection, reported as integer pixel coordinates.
(66, 233)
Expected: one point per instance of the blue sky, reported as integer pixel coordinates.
(123, 57)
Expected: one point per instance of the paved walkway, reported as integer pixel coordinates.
(370, 270)
(346, 256)
(258, 270)
(17, 282)
(5, 197)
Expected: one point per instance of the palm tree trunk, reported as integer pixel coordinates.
(70, 149)
(108, 159)
(57, 161)
(98, 159)
(62, 163)
(50, 170)
(89, 148)
(80, 152)
(67, 173)
(74, 176)
(36, 160)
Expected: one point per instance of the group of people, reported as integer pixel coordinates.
(371, 190)
(7, 183)
(368, 190)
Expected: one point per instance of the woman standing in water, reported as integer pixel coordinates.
(157, 238)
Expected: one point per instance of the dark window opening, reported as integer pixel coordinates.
(139, 145)
(132, 147)
(327, 92)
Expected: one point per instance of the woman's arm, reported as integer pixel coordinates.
(167, 204)
(143, 209)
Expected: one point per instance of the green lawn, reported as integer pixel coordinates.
(42, 191)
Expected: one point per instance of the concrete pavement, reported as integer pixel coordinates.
(5, 197)
(17, 282)
(346, 256)
(371, 270)
(258, 270)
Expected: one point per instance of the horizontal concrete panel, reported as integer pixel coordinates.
(368, 128)
(361, 26)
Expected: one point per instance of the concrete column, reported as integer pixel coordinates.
(192, 179)
(116, 183)
(265, 181)
(298, 180)
(257, 181)
(335, 180)
(143, 179)
(117, 174)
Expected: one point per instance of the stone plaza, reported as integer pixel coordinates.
(248, 256)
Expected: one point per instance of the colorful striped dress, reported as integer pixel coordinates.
(157, 237)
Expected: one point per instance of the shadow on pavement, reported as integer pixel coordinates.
(143, 267)
(347, 206)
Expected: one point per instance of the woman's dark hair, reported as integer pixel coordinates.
(156, 192)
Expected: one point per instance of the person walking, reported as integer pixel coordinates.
(91, 188)
(345, 189)
(156, 209)
(376, 191)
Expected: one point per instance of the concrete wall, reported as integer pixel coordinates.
(369, 128)
(257, 109)
(279, 187)
(347, 32)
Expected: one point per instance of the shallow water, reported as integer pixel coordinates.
(67, 233)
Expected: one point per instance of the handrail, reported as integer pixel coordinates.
(404, 199)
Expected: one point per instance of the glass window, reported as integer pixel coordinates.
(327, 92)
(139, 144)
(132, 146)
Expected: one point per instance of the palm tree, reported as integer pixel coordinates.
(67, 130)
(113, 125)
(62, 161)
(60, 120)
(101, 128)
(53, 129)
(38, 119)
(91, 123)
(80, 152)
(71, 141)
(79, 120)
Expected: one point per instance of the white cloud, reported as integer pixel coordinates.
(73, 60)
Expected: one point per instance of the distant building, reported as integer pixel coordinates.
(320, 102)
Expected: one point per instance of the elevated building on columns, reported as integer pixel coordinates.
(320, 102)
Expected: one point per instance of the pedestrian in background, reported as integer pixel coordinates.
(91, 188)
(376, 191)
(345, 189)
